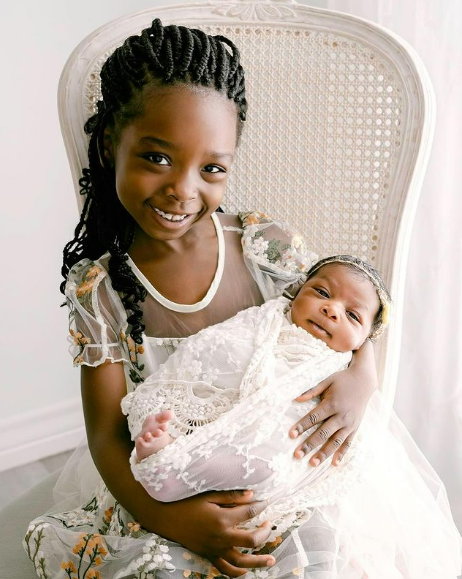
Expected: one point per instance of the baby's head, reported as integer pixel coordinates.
(343, 302)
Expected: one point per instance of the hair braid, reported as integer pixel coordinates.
(165, 55)
(188, 50)
(204, 60)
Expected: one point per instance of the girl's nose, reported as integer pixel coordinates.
(331, 311)
(182, 189)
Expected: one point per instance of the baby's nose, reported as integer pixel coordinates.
(331, 311)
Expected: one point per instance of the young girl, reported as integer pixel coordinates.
(151, 263)
(238, 380)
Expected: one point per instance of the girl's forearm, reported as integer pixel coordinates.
(109, 441)
(111, 457)
(363, 361)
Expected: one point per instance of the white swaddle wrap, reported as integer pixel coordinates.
(232, 387)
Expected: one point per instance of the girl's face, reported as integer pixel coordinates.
(337, 306)
(172, 161)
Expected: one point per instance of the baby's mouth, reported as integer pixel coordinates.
(319, 329)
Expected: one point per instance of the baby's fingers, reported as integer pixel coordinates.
(344, 448)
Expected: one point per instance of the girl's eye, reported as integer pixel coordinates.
(214, 169)
(157, 159)
(322, 292)
(353, 316)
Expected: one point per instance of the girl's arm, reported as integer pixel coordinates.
(345, 396)
(205, 524)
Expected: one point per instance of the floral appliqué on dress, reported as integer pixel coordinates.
(290, 256)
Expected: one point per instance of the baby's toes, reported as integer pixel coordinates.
(158, 432)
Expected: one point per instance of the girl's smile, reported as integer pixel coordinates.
(172, 161)
(172, 221)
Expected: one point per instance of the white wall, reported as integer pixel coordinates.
(40, 401)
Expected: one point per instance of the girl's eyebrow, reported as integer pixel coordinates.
(158, 142)
(171, 147)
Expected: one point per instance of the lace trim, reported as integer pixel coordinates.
(204, 302)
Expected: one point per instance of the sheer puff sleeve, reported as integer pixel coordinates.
(97, 319)
(275, 254)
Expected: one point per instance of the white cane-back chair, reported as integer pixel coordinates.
(336, 142)
(338, 133)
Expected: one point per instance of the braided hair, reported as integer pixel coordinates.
(160, 55)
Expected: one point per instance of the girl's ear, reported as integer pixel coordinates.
(106, 149)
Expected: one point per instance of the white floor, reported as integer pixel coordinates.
(16, 481)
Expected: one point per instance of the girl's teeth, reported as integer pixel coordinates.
(169, 216)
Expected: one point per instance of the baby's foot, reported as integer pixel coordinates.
(153, 435)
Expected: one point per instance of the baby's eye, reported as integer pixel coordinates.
(322, 292)
(157, 159)
(214, 169)
(353, 316)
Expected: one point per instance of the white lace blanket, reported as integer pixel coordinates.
(231, 387)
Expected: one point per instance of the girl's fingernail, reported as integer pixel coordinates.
(315, 461)
(299, 454)
(270, 562)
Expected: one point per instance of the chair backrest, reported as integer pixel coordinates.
(338, 133)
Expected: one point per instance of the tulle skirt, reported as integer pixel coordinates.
(393, 522)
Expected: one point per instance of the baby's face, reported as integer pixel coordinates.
(338, 306)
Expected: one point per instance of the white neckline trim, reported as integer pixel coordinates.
(204, 302)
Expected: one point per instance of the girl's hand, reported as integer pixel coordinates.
(344, 400)
(206, 525)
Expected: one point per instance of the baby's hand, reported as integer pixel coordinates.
(153, 435)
